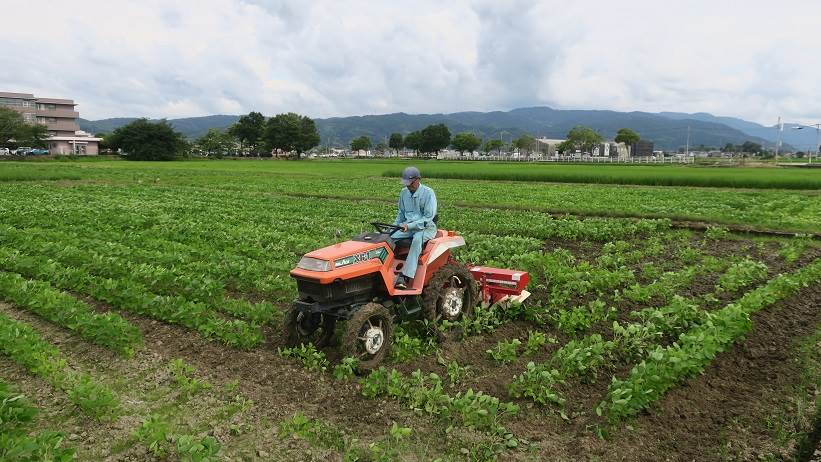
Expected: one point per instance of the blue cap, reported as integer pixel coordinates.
(410, 174)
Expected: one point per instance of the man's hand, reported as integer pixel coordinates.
(404, 227)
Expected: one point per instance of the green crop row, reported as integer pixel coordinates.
(425, 393)
(109, 330)
(582, 317)
(665, 287)
(664, 367)
(156, 433)
(159, 280)
(16, 441)
(133, 297)
(740, 275)
(577, 358)
(583, 358)
(25, 346)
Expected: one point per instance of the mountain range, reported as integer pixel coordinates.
(667, 130)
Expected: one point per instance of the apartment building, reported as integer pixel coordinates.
(59, 116)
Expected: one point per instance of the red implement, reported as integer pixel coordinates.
(496, 284)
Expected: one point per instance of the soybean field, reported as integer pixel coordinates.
(142, 304)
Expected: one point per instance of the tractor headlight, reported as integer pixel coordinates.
(314, 264)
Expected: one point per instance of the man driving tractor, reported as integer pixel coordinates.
(417, 220)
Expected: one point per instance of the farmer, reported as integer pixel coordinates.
(417, 211)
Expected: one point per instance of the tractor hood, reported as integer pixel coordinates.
(342, 250)
(343, 260)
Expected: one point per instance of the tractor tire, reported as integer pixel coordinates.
(298, 329)
(451, 294)
(368, 336)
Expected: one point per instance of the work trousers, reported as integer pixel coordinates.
(418, 239)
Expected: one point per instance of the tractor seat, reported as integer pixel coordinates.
(403, 246)
(404, 243)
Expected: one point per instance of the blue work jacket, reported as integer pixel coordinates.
(417, 209)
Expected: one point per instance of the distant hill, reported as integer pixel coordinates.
(801, 139)
(667, 130)
(191, 127)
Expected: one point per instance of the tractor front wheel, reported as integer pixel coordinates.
(368, 335)
(301, 327)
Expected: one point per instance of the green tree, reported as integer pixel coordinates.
(525, 143)
(363, 143)
(290, 133)
(413, 140)
(103, 144)
(215, 143)
(249, 131)
(753, 148)
(466, 142)
(493, 145)
(627, 136)
(381, 148)
(33, 135)
(566, 146)
(583, 138)
(146, 140)
(434, 138)
(396, 142)
(11, 125)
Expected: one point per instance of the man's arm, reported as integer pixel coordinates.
(400, 215)
(427, 215)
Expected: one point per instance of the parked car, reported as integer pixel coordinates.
(38, 152)
(5, 152)
(21, 151)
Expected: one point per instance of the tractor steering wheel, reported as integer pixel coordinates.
(384, 228)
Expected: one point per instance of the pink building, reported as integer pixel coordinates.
(60, 118)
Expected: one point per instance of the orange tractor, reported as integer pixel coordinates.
(353, 281)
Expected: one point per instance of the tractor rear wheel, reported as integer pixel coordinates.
(301, 327)
(451, 294)
(368, 335)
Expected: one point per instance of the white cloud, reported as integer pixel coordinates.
(752, 59)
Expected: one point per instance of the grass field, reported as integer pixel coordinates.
(141, 310)
(648, 175)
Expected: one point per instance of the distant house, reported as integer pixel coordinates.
(620, 151)
(59, 116)
(642, 148)
(547, 146)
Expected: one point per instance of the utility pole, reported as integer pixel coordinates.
(687, 149)
(778, 143)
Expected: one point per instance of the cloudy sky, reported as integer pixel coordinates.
(158, 58)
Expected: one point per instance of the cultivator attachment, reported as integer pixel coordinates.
(499, 285)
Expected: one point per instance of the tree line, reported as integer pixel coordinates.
(288, 134)
(16, 132)
(435, 138)
(292, 134)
